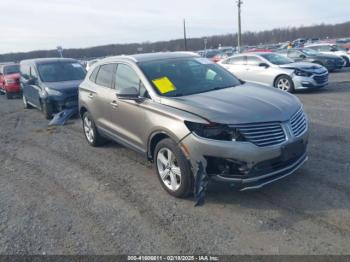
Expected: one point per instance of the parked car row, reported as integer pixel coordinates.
(188, 115)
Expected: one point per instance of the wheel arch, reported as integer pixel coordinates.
(82, 111)
(154, 139)
(278, 76)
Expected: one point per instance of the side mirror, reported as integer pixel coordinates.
(302, 56)
(264, 65)
(32, 81)
(130, 93)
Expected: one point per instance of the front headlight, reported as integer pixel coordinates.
(299, 72)
(52, 92)
(215, 131)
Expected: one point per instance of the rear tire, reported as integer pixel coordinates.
(25, 103)
(284, 83)
(91, 133)
(173, 169)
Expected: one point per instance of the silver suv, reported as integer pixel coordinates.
(180, 110)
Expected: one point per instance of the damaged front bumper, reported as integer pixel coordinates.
(245, 165)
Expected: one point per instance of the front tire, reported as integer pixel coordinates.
(173, 169)
(284, 83)
(347, 60)
(90, 131)
(47, 110)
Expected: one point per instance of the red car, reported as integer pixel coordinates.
(10, 80)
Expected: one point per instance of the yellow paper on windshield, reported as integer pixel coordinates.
(164, 85)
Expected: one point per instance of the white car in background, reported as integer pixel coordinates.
(90, 63)
(332, 49)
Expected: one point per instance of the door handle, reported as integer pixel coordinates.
(114, 104)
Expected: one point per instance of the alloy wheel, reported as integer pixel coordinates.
(168, 169)
(88, 129)
(283, 84)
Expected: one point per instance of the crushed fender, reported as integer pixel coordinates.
(61, 118)
(200, 185)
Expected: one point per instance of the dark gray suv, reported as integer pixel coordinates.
(180, 110)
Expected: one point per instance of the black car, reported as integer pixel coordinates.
(51, 84)
(331, 62)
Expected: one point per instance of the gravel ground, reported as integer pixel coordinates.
(60, 196)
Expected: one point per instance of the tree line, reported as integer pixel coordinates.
(249, 38)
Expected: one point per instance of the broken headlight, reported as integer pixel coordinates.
(215, 131)
(299, 72)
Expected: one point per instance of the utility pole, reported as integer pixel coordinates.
(239, 4)
(185, 35)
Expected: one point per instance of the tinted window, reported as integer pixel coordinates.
(126, 77)
(105, 75)
(13, 69)
(324, 48)
(25, 71)
(94, 74)
(310, 52)
(276, 59)
(253, 61)
(239, 60)
(294, 54)
(186, 76)
(61, 71)
(33, 73)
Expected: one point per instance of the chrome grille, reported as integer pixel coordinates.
(298, 123)
(267, 134)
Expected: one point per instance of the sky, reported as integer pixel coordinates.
(27, 25)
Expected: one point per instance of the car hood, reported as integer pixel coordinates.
(67, 87)
(248, 103)
(309, 67)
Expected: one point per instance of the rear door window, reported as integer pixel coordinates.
(240, 60)
(105, 75)
(294, 54)
(253, 61)
(94, 74)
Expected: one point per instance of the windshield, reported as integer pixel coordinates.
(276, 59)
(14, 69)
(187, 76)
(61, 71)
(310, 52)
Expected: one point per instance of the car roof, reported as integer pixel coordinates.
(48, 60)
(150, 57)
